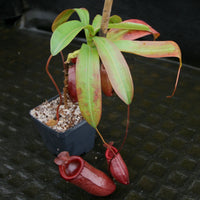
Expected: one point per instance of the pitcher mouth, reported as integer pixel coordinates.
(109, 154)
(72, 168)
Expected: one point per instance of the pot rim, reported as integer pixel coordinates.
(68, 131)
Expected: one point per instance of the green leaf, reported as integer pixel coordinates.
(88, 84)
(153, 49)
(115, 19)
(84, 17)
(97, 23)
(129, 26)
(66, 14)
(64, 34)
(90, 29)
(116, 67)
(61, 18)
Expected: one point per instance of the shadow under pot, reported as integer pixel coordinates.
(76, 140)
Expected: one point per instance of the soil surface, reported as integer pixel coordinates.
(68, 117)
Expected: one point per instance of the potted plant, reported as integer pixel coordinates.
(99, 65)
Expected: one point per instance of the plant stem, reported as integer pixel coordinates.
(105, 17)
(65, 88)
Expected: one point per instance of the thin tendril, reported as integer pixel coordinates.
(127, 125)
(107, 146)
(125, 137)
(105, 143)
(177, 78)
(56, 86)
(63, 60)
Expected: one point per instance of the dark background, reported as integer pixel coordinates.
(177, 20)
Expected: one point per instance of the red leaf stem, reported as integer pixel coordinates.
(56, 86)
(127, 125)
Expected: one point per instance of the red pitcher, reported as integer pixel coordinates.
(77, 171)
(117, 166)
(105, 82)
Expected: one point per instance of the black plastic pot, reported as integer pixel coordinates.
(76, 140)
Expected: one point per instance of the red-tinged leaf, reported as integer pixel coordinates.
(119, 34)
(152, 49)
(116, 67)
(88, 84)
(66, 14)
(105, 82)
(61, 18)
(129, 26)
(72, 83)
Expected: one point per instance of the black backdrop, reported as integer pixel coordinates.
(177, 20)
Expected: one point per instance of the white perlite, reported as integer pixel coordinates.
(68, 117)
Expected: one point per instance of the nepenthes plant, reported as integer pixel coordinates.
(99, 65)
